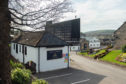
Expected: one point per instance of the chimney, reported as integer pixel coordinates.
(48, 23)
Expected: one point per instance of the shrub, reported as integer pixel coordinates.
(39, 82)
(16, 65)
(20, 76)
(124, 49)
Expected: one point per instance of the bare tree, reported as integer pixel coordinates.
(32, 13)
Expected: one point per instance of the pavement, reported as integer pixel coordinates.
(85, 71)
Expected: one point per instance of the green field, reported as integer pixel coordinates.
(111, 57)
(92, 55)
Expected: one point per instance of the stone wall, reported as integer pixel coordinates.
(120, 37)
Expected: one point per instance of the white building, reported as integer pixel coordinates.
(75, 48)
(47, 51)
(93, 42)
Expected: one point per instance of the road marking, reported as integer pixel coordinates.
(81, 81)
(58, 76)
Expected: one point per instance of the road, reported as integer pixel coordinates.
(112, 73)
(85, 71)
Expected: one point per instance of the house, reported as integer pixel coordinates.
(47, 51)
(84, 44)
(75, 47)
(93, 42)
(120, 36)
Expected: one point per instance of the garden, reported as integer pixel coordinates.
(114, 56)
(21, 75)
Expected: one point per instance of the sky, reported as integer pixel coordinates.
(99, 14)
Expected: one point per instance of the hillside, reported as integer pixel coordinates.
(99, 32)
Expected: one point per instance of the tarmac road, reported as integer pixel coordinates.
(112, 73)
(86, 71)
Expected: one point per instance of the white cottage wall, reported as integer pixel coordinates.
(45, 65)
(18, 55)
(32, 54)
(48, 65)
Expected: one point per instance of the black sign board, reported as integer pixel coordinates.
(55, 54)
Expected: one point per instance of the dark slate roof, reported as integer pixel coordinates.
(39, 39)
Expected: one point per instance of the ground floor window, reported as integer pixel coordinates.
(55, 54)
(25, 50)
(16, 48)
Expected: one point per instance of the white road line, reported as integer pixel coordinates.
(81, 81)
(57, 76)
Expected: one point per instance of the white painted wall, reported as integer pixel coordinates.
(48, 65)
(74, 48)
(32, 54)
(45, 65)
(18, 55)
(94, 43)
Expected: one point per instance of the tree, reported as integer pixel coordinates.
(46, 10)
(4, 39)
(23, 12)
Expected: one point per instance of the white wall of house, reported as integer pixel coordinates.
(74, 48)
(48, 65)
(32, 55)
(94, 43)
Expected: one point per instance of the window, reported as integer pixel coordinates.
(16, 48)
(20, 49)
(25, 50)
(56, 54)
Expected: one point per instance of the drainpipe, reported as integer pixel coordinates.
(38, 59)
(68, 57)
(23, 54)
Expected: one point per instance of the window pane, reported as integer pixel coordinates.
(16, 48)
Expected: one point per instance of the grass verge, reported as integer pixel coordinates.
(111, 57)
(92, 55)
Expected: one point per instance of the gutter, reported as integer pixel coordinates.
(38, 59)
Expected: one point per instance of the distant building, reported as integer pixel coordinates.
(68, 31)
(93, 42)
(84, 44)
(120, 36)
(46, 51)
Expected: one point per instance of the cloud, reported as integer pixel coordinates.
(99, 14)
(109, 4)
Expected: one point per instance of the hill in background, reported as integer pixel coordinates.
(99, 34)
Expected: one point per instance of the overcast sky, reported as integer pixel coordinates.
(99, 14)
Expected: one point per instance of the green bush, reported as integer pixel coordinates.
(20, 76)
(16, 65)
(124, 49)
(39, 82)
